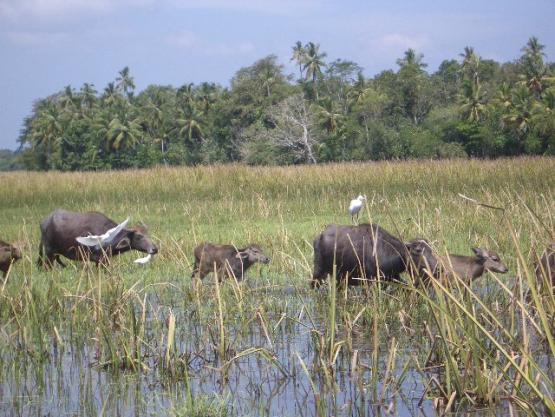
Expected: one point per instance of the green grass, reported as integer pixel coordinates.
(470, 347)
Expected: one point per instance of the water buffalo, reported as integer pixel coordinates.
(61, 228)
(360, 252)
(468, 268)
(226, 259)
(8, 255)
(545, 267)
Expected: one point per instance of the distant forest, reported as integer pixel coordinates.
(327, 111)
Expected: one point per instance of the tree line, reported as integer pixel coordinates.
(328, 111)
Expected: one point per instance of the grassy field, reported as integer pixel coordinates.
(148, 341)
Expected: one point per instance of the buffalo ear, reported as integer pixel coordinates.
(243, 255)
(481, 253)
(415, 247)
(123, 243)
(141, 228)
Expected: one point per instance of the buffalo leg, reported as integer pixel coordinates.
(59, 261)
(317, 278)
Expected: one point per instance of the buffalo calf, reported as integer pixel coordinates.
(545, 266)
(8, 255)
(468, 268)
(227, 260)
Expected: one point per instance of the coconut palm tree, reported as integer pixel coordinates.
(123, 133)
(125, 82)
(359, 90)
(411, 58)
(299, 56)
(88, 94)
(189, 123)
(473, 105)
(110, 95)
(314, 62)
(47, 127)
(470, 64)
(543, 114)
(328, 115)
(535, 74)
(519, 113)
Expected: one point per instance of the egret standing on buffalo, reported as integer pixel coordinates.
(355, 206)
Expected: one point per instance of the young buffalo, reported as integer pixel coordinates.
(545, 267)
(468, 268)
(228, 260)
(8, 255)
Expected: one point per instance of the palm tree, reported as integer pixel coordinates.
(111, 95)
(68, 101)
(299, 56)
(360, 89)
(473, 106)
(314, 62)
(543, 114)
(186, 94)
(470, 64)
(125, 82)
(535, 73)
(328, 114)
(89, 95)
(411, 59)
(269, 75)
(123, 133)
(519, 112)
(207, 95)
(47, 129)
(190, 124)
(503, 97)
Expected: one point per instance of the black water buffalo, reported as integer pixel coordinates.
(468, 268)
(60, 229)
(8, 255)
(360, 252)
(228, 260)
(545, 266)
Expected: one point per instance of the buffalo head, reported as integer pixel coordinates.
(252, 254)
(137, 239)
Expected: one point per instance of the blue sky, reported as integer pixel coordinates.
(48, 44)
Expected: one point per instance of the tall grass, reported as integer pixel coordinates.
(464, 347)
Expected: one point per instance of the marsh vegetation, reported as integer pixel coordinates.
(147, 340)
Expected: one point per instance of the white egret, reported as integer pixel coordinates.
(103, 239)
(356, 205)
(143, 261)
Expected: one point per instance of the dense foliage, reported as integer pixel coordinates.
(332, 112)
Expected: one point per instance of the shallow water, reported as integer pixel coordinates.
(70, 382)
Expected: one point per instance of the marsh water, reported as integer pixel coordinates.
(70, 377)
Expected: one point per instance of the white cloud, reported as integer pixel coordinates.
(38, 38)
(265, 6)
(184, 39)
(17, 10)
(190, 41)
(395, 42)
(60, 9)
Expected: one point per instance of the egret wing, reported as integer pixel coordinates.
(113, 232)
(91, 240)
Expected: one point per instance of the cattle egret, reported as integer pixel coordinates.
(143, 261)
(356, 205)
(104, 239)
